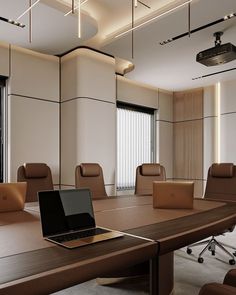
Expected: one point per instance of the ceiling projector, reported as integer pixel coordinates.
(220, 54)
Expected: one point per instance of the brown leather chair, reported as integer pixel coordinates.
(227, 288)
(145, 175)
(38, 177)
(221, 185)
(90, 175)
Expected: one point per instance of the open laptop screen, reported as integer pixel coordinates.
(65, 210)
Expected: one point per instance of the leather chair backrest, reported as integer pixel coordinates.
(90, 175)
(221, 182)
(38, 177)
(145, 175)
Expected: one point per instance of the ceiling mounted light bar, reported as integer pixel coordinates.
(212, 74)
(28, 9)
(76, 7)
(225, 18)
(153, 18)
(12, 22)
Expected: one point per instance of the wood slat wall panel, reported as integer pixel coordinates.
(188, 137)
(188, 105)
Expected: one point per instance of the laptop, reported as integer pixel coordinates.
(67, 218)
(173, 195)
(12, 196)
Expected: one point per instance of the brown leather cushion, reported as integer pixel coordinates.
(230, 278)
(90, 169)
(222, 170)
(150, 170)
(36, 170)
(217, 289)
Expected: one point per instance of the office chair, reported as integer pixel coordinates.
(145, 175)
(227, 288)
(38, 177)
(221, 185)
(90, 175)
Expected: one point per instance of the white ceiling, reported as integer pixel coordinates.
(170, 67)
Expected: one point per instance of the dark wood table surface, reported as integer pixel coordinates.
(33, 266)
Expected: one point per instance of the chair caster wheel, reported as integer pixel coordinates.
(232, 262)
(189, 251)
(200, 260)
(234, 253)
(213, 253)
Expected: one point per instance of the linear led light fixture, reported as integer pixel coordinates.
(226, 17)
(76, 7)
(28, 9)
(12, 22)
(212, 74)
(153, 18)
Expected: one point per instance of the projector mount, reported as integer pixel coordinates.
(217, 35)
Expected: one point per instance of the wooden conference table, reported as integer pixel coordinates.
(31, 265)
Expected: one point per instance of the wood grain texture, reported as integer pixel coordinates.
(188, 105)
(188, 136)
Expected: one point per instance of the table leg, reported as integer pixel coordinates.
(162, 274)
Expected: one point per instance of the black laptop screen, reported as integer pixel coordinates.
(65, 210)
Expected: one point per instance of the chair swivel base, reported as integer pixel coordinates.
(211, 246)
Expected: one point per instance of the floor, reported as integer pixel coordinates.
(189, 274)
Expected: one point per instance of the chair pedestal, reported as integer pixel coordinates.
(210, 246)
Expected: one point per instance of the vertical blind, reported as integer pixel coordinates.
(134, 144)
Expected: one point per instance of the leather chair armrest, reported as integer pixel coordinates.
(217, 289)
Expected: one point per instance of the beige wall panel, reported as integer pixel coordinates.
(4, 59)
(88, 74)
(228, 101)
(188, 149)
(165, 146)
(188, 105)
(135, 93)
(165, 105)
(33, 134)
(228, 138)
(209, 101)
(34, 74)
(88, 135)
(210, 144)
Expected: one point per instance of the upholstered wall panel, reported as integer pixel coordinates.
(88, 115)
(88, 138)
(164, 128)
(86, 73)
(33, 134)
(228, 96)
(136, 93)
(34, 74)
(228, 121)
(33, 111)
(4, 59)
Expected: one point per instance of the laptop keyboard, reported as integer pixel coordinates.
(79, 235)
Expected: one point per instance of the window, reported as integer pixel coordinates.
(135, 142)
